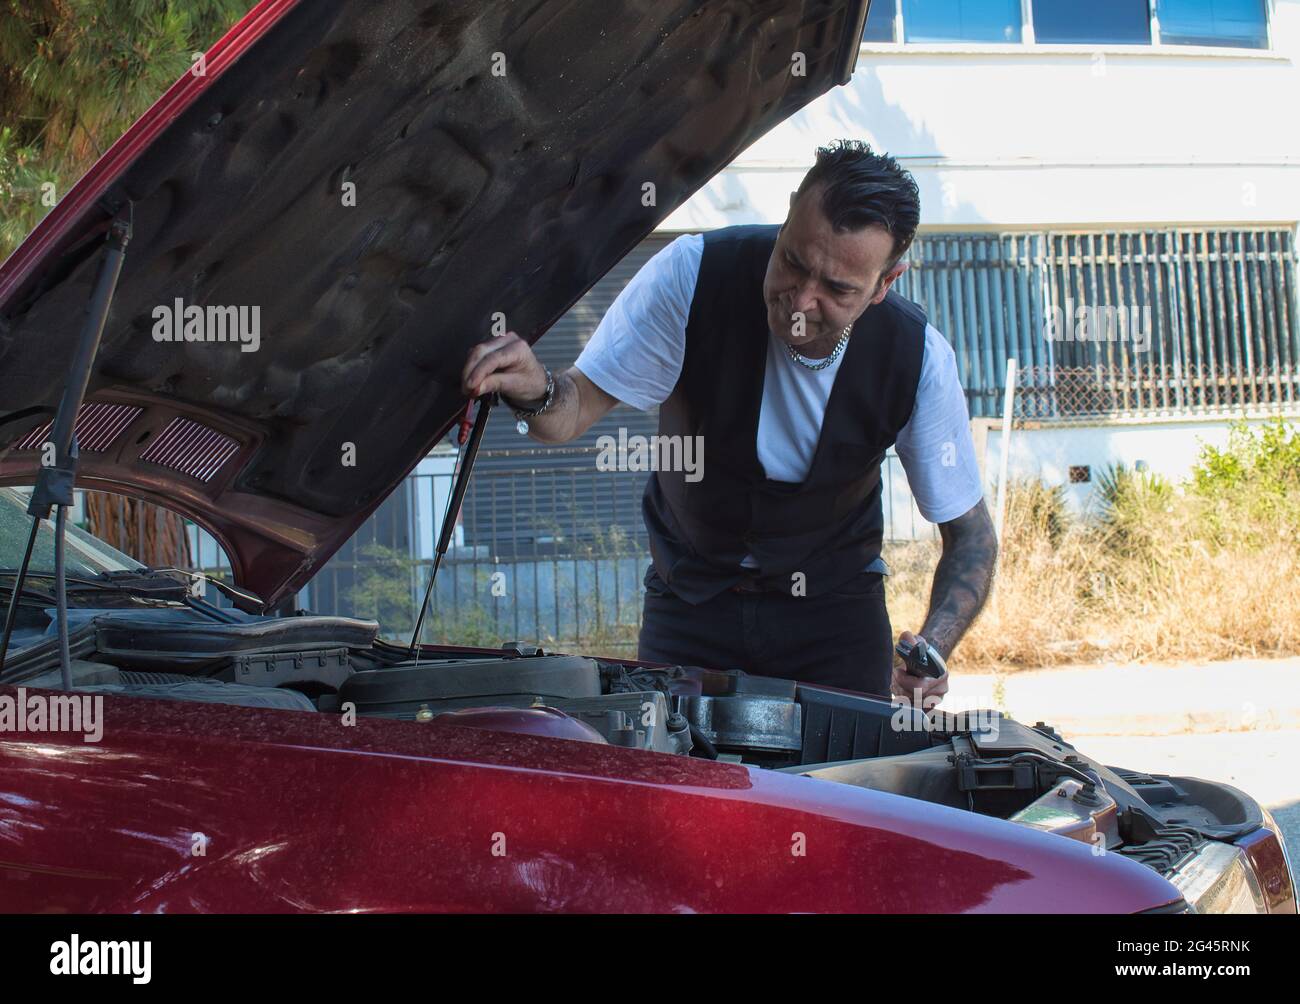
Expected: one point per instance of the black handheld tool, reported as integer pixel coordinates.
(921, 658)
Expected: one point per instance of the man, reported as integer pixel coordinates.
(786, 352)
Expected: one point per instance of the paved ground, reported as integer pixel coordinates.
(1265, 765)
(1237, 722)
(1240, 696)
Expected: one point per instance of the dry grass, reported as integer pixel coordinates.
(1154, 576)
(1204, 570)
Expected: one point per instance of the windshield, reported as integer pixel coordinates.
(85, 554)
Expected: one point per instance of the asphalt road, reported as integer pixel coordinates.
(1265, 765)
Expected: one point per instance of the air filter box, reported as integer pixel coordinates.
(399, 692)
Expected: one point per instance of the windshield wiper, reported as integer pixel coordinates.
(27, 592)
(54, 483)
(149, 585)
(164, 588)
(242, 598)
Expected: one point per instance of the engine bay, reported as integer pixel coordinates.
(982, 762)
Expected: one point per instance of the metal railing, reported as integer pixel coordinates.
(1173, 320)
(551, 550)
(1067, 394)
(548, 550)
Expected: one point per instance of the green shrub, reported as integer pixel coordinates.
(1135, 512)
(1249, 491)
(381, 589)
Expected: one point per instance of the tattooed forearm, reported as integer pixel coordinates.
(962, 579)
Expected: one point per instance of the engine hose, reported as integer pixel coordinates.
(702, 742)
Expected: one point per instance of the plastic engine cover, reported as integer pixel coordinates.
(401, 691)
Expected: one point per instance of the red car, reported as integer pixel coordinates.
(346, 193)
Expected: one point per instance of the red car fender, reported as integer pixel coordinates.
(187, 807)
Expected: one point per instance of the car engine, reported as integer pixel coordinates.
(982, 762)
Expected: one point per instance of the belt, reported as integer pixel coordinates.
(749, 582)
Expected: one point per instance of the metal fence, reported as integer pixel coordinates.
(551, 550)
(1065, 394)
(548, 550)
(1174, 320)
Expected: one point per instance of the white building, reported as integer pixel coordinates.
(1029, 133)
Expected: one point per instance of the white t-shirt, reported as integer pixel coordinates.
(636, 356)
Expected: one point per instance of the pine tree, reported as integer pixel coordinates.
(74, 74)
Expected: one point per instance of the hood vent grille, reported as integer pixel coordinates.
(98, 425)
(191, 448)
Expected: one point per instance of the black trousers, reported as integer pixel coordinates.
(841, 639)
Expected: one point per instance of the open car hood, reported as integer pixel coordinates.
(496, 153)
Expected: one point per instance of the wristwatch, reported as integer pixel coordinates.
(522, 415)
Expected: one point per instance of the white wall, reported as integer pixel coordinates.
(434, 478)
(1024, 135)
(1167, 448)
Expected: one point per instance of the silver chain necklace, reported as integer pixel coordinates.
(821, 364)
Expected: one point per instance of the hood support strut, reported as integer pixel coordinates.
(55, 482)
(453, 508)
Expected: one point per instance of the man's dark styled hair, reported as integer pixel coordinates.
(864, 189)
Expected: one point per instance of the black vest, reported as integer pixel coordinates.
(830, 526)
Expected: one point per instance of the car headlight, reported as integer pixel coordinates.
(1219, 879)
(1252, 875)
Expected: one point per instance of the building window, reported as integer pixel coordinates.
(1241, 24)
(961, 20)
(1237, 23)
(1122, 22)
(880, 22)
